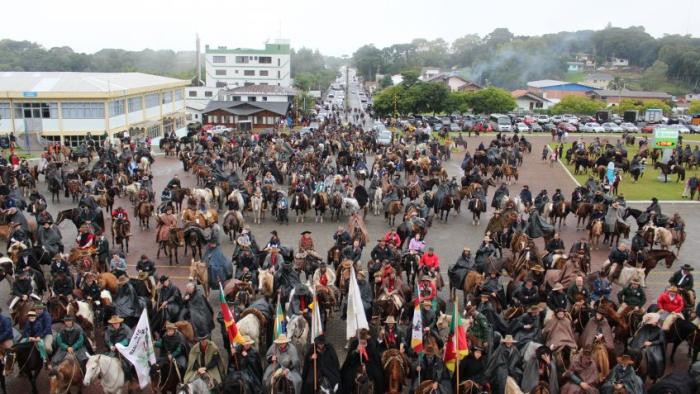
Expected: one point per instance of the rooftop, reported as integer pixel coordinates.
(524, 93)
(277, 47)
(631, 94)
(599, 77)
(270, 90)
(247, 107)
(545, 83)
(32, 84)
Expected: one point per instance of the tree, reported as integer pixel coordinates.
(385, 82)
(491, 100)
(617, 83)
(410, 77)
(457, 102)
(578, 105)
(368, 60)
(654, 76)
(694, 107)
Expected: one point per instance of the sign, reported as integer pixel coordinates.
(29, 94)
(139, 351)
(665, 138)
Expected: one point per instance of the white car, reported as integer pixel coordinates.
(543, 119)
(219, 129)
(522, 128)
(629, 127)
(611, 127)
(571, 119)
(384, 137)
(592, 127)
(682, 129)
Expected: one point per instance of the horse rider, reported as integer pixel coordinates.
(676, 225)
(391, 287)
(427, 288)
(683, 280)
(299, 301)
(49, 237)
(322, 355)
(173, 347)
(390, 195)
(392, 238)
(63, 285)
(431, 261)
(632, 297)
(557, 197)
(554, 246)
(353, 252)
(601, 287)
(541, 201)
(175, 181)
(670, 303)
(32, 332)
(342, 237)
(148, 266)
(120, 214)
(526, 196)
(282, 356)
(118, 333)
(70, 340)
(458, 272)
(527, 294)
(166, 198)
(22, 289)
(620, 255)
(204, 362)
(101, 248)
(306, 245)
(89, 287)
(169, 298)
(391, 337)
(86, 238)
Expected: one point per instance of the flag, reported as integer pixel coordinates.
(140, 351)
(417, 326)
(233, 335)
(279, 320)
(356, 318)
(456, 341)
(316, 324)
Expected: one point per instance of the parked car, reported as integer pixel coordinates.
(567, 127)
(629, 127)
(542, 119)
(571, 119)
(649, 128)
(438, 126)
(592, 127)
(219, 129)
(556, 119)
(536, 128)
(611, 127)
(522, 128)
(384, 138)
(694, 128)
(682, 129)
(548, 127)
(455, 127)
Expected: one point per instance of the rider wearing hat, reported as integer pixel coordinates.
(285, 357)
(527, 294)
(390, 337)
(327, 365)
(22, 288)
(32, 332)
(118, 333)
(86, 238)
(505, 361)
(70, 340)
(49, 237)
(683, 280)
(204, 360)
(173, 346)
(427, 288)
(631, 297)
(90, 288)
(246, 359)
(169, 298)
(63, 285)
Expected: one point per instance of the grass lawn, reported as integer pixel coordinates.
(647, 187)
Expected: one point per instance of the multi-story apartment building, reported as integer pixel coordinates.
(231, 68)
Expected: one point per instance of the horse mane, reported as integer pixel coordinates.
(261, 318)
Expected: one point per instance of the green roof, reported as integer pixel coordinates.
(270, 49)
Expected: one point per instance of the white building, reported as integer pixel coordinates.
(65, 106)
(260, 93)
(230, 68)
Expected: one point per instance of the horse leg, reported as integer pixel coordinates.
(32, 379)
(673, 350)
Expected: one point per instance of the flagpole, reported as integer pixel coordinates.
(455, 339)
(313, 340)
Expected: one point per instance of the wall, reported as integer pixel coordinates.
(93, 125)
(117, 121)
(5, 125)
(153, 112)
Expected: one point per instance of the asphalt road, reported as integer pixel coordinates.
(447, 238)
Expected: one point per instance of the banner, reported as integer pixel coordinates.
(417, 325)
(140, 351)
(356, 318)
(665, 138)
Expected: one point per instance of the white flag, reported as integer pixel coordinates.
(316, 323)
(140, 351)
(356, 311)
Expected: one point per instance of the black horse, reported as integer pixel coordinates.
(26, 357)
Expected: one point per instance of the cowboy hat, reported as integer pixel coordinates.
(534, 309)
(305, 232)
(170, 326)
(508, 339)
(673, 289)
(390, 320)
(115, 319)
(282, 339)
(687, 267)
(31, 313)
(39, 306)
(625, 359)
(246, 340)
(651, 318)
(558, 286)
(537, 268)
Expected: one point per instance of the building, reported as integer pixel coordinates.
(692, 96)
(573, 67)
(63, 107)
(528, 101)
(617, 62)
(230, 68)
(587, 59)
(613, 97)
(455, 82)
(554, 90)
(598, 80)
(245, 115)
(428, 73)
(259, 93)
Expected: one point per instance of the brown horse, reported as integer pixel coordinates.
(107, 281)
(67, 375)
(122, 230)
(559, 212)
(199, 274)
(145, 211)
(601, 358)
(652, 258)
(394, 208)
(595, 232)
(192, 240)
(232, 224)
(396, 368)
(583, 212)
(176, 239)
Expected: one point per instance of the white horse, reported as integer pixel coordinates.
(236, 195)
(108, 370)
(377, 201)
(265, 282)
(205, 194)
(350, 205)
(256, 203)
(145, 164)
(250, 326)
(298, 332)
(197, 386)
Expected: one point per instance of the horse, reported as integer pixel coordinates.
(166, 378)
(109, 372)
(583, 212)
(199, 274)
(595, 232)
(280, 383)
(252, 323)
(232, 224)
(666, 171)
(122, 229)
(396, 368)
(559, 211)
(145, 210)
(192, 240)
(299, 203)
(377, 201)
(476, 206)
(75, 189)
(26, 356)
(683, 330)
(395, 207)
(176, 239)
(666, 238)
(68, 374)
(298, 332)
(336, 206)
(256, 202)
(319, 202)
(265, 282)
(55, 189)
(614, 237)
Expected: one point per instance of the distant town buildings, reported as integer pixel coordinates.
(230, 68)
(528, 101)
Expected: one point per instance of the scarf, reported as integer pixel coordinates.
(323, 280)
(391, 337)
(363, 352)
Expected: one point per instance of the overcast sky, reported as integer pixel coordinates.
(333, 27)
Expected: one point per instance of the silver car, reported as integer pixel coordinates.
(611, 127)
(629, 127)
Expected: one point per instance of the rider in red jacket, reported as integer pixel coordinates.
(120, 213)
(391, 237)
(430, 260)
(670, 301)
(427, 284)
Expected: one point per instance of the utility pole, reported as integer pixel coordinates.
(347, 89)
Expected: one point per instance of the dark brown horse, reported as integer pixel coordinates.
(652, 258)
(121, 229)
(232, 224)
(666, 171)
(26, 357)
(176, 239)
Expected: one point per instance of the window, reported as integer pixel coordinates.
(235, 98)
(252, 98)
(242, 117)
(167, 97)
(219, 59)
(75, 140)
(4, 110)
(178, 95)
(135, 104)
(278, 74)
(248, 84)
(152, 100)
(192, 93)
(264, 98)
(220, 72)
(221, 84)
(208, 94)
(265, 59)
(264, 73)
(242, 59)
(153, 131)
(35, 110)
(87, 110)
(116, 108)
(236, 71)
(278, 62)
(249, 73)
(51, 139)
